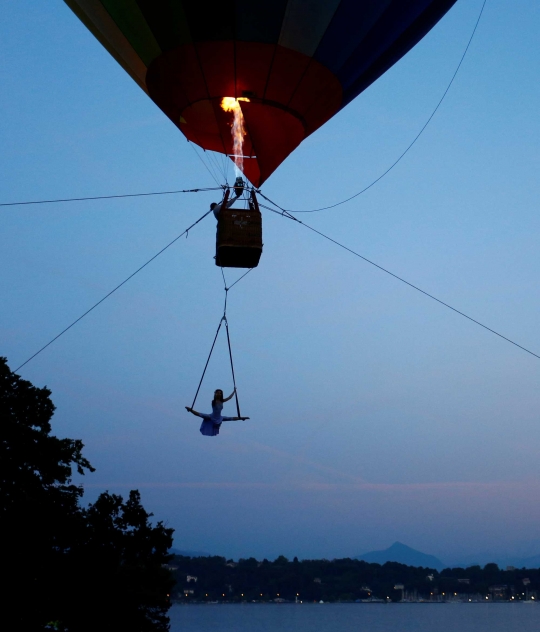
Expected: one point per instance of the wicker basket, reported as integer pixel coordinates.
(239, 238)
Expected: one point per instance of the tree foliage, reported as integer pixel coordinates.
(69, 567)
(340, 580)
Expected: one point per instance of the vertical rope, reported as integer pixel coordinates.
(207, 361)
(232, 368)
(223, 318)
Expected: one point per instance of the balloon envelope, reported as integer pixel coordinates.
(296, 62)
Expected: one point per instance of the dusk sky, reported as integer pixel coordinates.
(376, 414)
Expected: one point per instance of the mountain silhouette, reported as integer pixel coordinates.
(403, 554)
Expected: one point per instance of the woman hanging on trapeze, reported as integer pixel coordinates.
(211, 423)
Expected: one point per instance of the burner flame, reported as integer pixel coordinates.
(238, 130)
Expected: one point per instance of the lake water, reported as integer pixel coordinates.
(442, 617)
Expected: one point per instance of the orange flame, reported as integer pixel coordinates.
(238, 130)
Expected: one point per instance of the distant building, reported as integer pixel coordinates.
(464, 581)
(191, 578)
(498, 591)
(188, 591)
(317, 580)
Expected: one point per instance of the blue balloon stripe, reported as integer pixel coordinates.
(390, 27)
(351, 23)
(402, 44)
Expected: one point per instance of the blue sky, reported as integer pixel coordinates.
(376, 414)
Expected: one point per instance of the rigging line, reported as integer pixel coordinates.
(238, 280)
(206, 166)
(109, 197)
(415, 287)
(227, 166)
(212, 165)
(113, 290)
(224, 280)
(226, 162)
(192, 145)
(324, 208)
(228, 287)
(213, 159)
(220, 160)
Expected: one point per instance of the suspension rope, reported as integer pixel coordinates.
(395, 163)
(414, 287)
(206, 365)
(113, 290)
(223, 320)
(232, 367)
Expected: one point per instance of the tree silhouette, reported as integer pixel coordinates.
(68, 567)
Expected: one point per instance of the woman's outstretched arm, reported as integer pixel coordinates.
(194, 412)
(230, 396)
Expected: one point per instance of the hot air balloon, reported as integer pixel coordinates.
(253, 78)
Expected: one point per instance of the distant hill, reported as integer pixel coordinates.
(403, 554)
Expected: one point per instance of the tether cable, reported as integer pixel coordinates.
(109, 197)
(113, 290)
(415, 287)
(325, 208)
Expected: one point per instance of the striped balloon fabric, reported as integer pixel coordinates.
(290, 64)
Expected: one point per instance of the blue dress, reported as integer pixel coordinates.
(211, 423)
